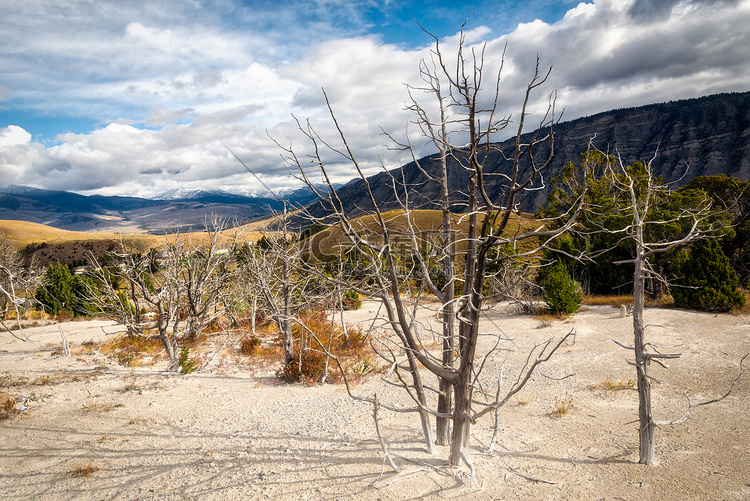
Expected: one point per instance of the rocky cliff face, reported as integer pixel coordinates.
(696, 137)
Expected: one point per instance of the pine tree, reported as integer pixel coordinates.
(561, 293)
(707, 280)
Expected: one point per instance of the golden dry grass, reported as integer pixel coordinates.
(22, 233)
(547, 317)
(614, 300)
(131, 352)
(611, 385)
(562, 405)
(424, 222)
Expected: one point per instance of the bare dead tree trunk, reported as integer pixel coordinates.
(286, 323)
(641, 193)
(468, 330)
(646, 423)
(424, 416)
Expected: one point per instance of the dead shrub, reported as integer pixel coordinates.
(130, 351)
(309, 367)
(8, 409)
(315, 333)
(250, 345)
(83, 470)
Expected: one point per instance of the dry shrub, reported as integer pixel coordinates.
(83, 470)
(8, 409)
(130, 351)
(250, 345)
(308, 368)
(316, 334)
(260, 351)
(745, 310)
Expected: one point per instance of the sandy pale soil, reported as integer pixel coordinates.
(237, 433)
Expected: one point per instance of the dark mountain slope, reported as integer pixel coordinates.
(711, 135)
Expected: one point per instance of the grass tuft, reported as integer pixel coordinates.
(8, 409)
(610, 385)
(562, 405)
(523, 399)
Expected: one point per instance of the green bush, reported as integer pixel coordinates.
(706, 279)
(351, 300)
(64, 292)
(186, 365)
(561, 293)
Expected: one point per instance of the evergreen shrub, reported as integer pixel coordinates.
(561, 293)
(706, 279)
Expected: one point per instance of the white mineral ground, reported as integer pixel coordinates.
(236, 432)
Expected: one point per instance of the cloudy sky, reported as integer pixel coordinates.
(140, 97)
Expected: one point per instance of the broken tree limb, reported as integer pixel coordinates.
(692, 406)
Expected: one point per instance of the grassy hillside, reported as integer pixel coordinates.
(51, 245)
(22, 233)
(426, 223)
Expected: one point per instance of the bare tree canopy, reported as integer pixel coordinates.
(399, 263)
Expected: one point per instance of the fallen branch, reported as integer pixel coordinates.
(528, 477)
(715, 400)
(383, 445)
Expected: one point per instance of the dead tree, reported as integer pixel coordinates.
(116, 297)
(641, 191)
(204, 273)
(467, 121)
(182, 282)
(272, 270)
(15, 280)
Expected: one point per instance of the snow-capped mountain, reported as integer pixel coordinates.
(190, 194)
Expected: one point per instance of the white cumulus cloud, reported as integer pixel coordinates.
(175, 84)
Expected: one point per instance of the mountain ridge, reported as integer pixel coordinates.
(702, 136)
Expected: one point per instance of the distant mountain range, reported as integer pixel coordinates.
(186, 210)
(696, 137)
(711, 135)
